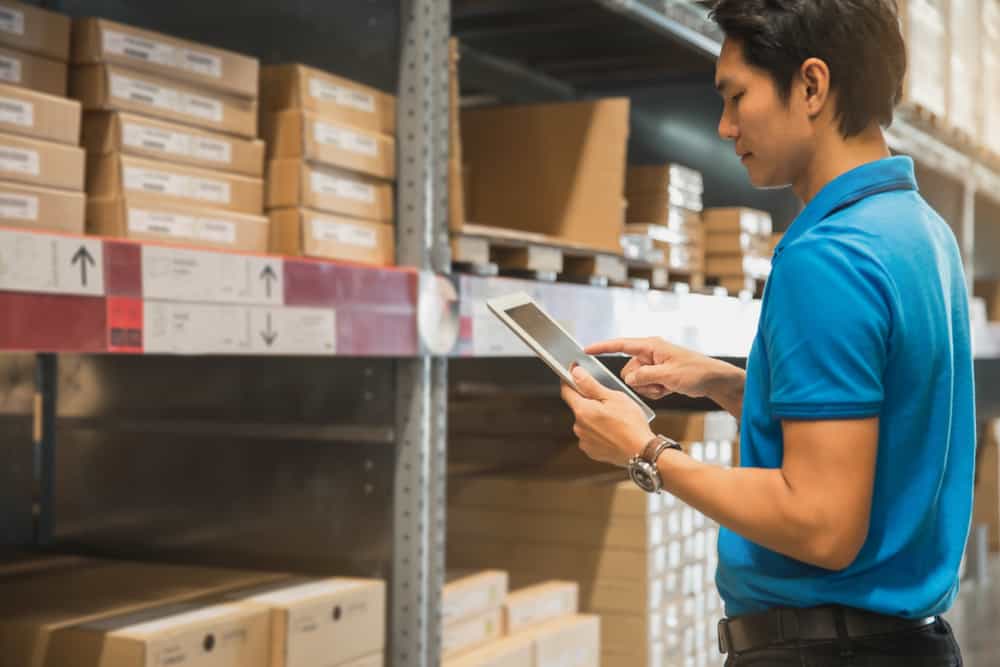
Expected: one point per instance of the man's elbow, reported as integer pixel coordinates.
(835, 550)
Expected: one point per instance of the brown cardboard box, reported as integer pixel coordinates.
(517, 651)
(300, 231)
(374, 660)
(989, 291)
(471, 633)
(660, 178)
(38, 115)
(154, 218)
(738, 243)
(303, 134)
(555, 169)
(987, 497)
(722, 220)
(575, 641)
(109, 87)
(34, 72)
(924, 24)
(295, 182)
(184, 633)
(31, 207)
(327, 621)
(109, 131)
(540, 603)
(102, 41)
(472, 594)
(735, 267)
(29, 28)
(686, 426)
(118, 175)
(44, 163)
(333, 97)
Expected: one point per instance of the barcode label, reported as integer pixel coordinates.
(134, 90)
(345, 139)
(138, 48)
(210, 190)
(11, 20)
(17, 112)
(154, 139)
(19, 161)
(212, 150)
(165, 224)
(200, 62)
(322, 90)
(217, 231)
(343, 233)
(325, 184)
(202, 107)
(18, 207)
(177, 185)
(10, 69)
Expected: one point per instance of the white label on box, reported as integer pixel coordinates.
(217, 231)
(325, 184)
(127, 88)
(344, 233)
(10, 69)
(139, 48)
(345, 139)
(294, 594)
(212, 150)
(343, 96)
(19, 160)
(202, 107)
(11, 20)
(32, 262)
(155, 139)
(17, 112)
(157, 222)
(18, 207)
(175, 274)
(186, 618)
(211, 190)
(200, 62)
(148, 180)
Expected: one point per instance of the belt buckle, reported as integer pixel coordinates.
(725, 639)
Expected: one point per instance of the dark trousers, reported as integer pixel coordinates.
(933, 645)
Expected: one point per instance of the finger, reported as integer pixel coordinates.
(572, 397)
(635, 347)
(633, 364)
(588, 386)
(647, 375)
(651, 391)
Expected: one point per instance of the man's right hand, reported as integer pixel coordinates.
(658, 368)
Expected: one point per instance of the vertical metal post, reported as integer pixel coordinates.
(421, 395)
(968, 240)
(46, 381)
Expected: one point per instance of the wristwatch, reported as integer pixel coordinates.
(642, 467)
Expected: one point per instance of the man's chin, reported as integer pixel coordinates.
(762, 182)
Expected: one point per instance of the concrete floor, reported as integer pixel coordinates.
(976, 620)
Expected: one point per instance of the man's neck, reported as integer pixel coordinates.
(835, 156)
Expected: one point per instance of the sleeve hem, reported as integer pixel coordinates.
(825, 410)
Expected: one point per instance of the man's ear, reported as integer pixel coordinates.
(815, 78)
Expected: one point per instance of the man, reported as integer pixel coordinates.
(845, 524)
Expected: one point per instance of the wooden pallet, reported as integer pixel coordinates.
(738, 286)
(490, 251)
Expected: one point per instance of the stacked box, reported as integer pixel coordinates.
(644, 563)
(964, 85)
(738, 247)
(170, 129)
(990, 78)
(34, 47)
(924, 24)
(664, 217)
(472, 611)
(989, 291)
(331, 165)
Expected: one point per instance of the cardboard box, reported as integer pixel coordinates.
(154, 218)
(518, 651)
(989, 291)
(728, 220)
(659, 178)
(293, 86)
(655, 207)
(32, 207)
(102, 41)
(185, 633)
(374, 660)
(113, 88)
(470, 633)
(303, 134)
(300, 231)
(34, 162)
(987, 495)
(924, 24)
(295, 182)
(118, 175)
(34, 72)
(990, 79)
(965, 69)
(328, 621)
(39, 31)
(555, 169)
(540, 603)
(109, 131)
(738, 243)
(467, 595)
(738, 267)
(572, 641)
(685, 426)
(38, 115)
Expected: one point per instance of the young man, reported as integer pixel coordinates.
(845, 524)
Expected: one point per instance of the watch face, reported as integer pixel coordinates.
(641, 474)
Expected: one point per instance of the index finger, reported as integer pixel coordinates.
(631, 346)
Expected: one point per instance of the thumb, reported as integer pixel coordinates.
(588, 386)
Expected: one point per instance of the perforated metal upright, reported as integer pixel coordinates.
(419, 513)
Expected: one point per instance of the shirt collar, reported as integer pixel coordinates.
(892, 173)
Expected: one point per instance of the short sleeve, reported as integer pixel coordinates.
(826, 328)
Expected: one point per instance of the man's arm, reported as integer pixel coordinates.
(815, 508)
(725, 387)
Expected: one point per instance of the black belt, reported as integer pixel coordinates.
(776, 626)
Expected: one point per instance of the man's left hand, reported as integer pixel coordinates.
(611, 427)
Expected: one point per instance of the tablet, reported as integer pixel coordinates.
(554, 345)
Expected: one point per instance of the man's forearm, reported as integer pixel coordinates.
(725, 387)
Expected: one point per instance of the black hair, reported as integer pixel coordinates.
(859, 40)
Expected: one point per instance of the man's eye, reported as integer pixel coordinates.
(736, 98)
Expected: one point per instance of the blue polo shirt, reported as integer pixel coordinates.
(866, 314)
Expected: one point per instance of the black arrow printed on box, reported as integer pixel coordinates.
(269, 335)
(83, 257)
(268, 276)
